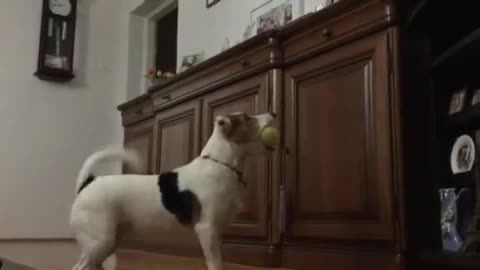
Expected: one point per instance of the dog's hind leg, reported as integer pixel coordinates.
(97, 242)
(80, 264)
(96, 252)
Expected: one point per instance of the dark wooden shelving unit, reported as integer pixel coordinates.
(461, 53)
(464, 121)
(450, 260)
(417, 15)
(444, 52)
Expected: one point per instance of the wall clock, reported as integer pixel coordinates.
(57, 39)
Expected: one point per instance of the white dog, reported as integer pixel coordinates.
(204, 194)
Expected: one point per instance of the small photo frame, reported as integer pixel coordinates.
(210, 3)
(288, 12)
(475, 97)
(190, 61)
(457, 103)
(275, 17)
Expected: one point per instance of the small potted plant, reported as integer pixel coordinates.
(154, 75)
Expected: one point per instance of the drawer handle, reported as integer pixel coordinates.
(166, 98)
(245, 63)
(326, 33)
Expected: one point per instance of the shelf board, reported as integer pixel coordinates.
(464, 121)
(418, 14)
(459, 53)
(451, 260)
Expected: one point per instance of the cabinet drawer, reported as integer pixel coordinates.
(216, 76)
(163, 98)
(137, 112)
(365, 18)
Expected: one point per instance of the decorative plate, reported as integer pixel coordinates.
(463, 155)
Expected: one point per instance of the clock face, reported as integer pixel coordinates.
(60, 7)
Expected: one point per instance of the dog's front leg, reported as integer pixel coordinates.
(210, 242)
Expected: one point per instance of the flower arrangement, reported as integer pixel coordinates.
(153, 75)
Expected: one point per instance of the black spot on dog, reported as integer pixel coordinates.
(87, 182)
(183, 204)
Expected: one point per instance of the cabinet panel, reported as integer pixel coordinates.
(250, 96)
(338, 174)
(177, 136)
(139, 137)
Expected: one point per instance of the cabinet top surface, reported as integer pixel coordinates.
(269, 39)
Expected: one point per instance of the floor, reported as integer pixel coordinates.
(42, 255)
(46, 255)
(134, 260)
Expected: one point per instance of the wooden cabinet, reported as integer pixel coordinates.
(139, 137)
(250, 96)
(331, 196)
(337, 128)
(177, 132)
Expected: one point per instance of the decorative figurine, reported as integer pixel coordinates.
(451, 240)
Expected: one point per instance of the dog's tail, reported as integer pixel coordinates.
(108, 154)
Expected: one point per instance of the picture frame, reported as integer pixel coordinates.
(457, 102)
(294, 10)
(475, 97)
(325, 4)
(211, 3)
(276, 17)
(189, 61)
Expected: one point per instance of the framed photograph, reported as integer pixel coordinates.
(210, 3)
(475, 97)
(288, 13)
(275, 17)
(190, 61)
(271, 14)
(457, 103)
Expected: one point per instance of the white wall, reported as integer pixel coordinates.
(199, 30)
(202, 29)
(48, 129)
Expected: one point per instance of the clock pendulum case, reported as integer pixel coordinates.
(57, 40)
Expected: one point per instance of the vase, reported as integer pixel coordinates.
(451, 240)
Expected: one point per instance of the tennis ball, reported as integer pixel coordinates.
(270, 136)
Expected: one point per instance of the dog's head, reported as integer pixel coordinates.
(244, 130)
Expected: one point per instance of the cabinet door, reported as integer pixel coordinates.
(139, 137)
(339, 169)
(176, 136)
(248, 96)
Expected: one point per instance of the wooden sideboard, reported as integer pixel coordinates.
(332, 196)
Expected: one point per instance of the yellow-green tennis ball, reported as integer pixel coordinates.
(270, 136)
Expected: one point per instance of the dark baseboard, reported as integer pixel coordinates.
(247, 254)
